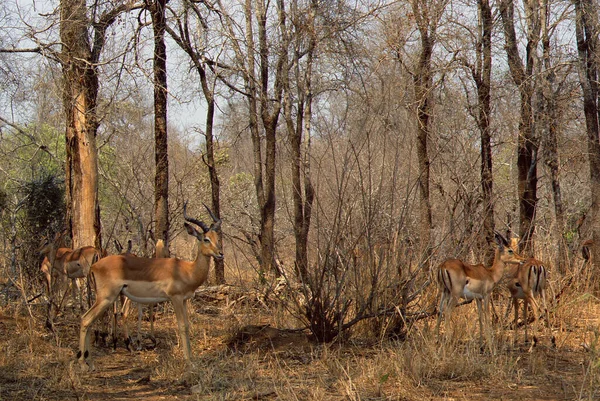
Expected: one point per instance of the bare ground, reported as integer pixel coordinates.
(240, 355)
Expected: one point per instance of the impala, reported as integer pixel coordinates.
(160, 251)
(528, 282)
(65, 262)
(148, 281)
(457, 279)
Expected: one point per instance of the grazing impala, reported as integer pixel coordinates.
(65, 262)
(457, 279)
(528, 282)
(148, 280)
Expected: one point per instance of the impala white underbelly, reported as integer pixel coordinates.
(146, 292)
(468, 295)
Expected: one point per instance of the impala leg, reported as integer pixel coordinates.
(444, 298)
(139, 326)
(487, 318)
(114, 324)
(450, 304)
(88, 288)
(547, 314)
(525, 317)
(479, 311)
(535, 307)
(151, 312)
(508, 307)
(76, 294)
(125, 313)
(515, 303)
(87, 320)
(545, 311)
(180, 306)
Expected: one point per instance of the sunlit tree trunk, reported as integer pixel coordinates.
(80, 85)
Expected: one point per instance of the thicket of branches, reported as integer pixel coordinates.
(349, 146)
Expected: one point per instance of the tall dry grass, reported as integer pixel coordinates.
(275, 363)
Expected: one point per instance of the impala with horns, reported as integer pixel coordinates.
(457, 279)
(149, 280)
(160, 251)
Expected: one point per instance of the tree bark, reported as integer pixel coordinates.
(527, 145)
(550, 138)
(161, 181)
(299, 139)
(422, 82)
(483, 82)
(586, 30)
(80, 91)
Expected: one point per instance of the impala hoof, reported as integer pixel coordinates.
(128, 343)
(85, 365)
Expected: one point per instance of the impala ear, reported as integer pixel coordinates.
(216, 226)
(500, 240)
(192, 231)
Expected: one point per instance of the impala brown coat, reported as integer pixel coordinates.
(528, 282)
(147, 280)
(457, 279)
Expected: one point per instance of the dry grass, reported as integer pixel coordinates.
(240, 354)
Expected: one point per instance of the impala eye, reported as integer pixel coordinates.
(206, 240)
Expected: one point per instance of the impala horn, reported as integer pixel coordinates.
(192, 220)
(217, 222)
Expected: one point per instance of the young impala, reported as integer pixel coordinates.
(528, 282)
(148, 280)
(457, 279)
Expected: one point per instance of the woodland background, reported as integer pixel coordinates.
(349, 146)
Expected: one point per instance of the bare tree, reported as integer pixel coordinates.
(298, 123)
(79, 58)
(550, 126)
(161, 182)
(480, 71)
(193, 47)
(261, 66)
(586, 27)
(523, 77)
(483, 80)
(427, 15)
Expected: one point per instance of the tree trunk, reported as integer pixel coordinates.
(161, 181)
(550, 139)
(267, 220)
(586, 29)
(183, 39)
(212, 171)
(422, 81)
(483, 79)
(299, 139)
(527, 146)
(79, 97)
